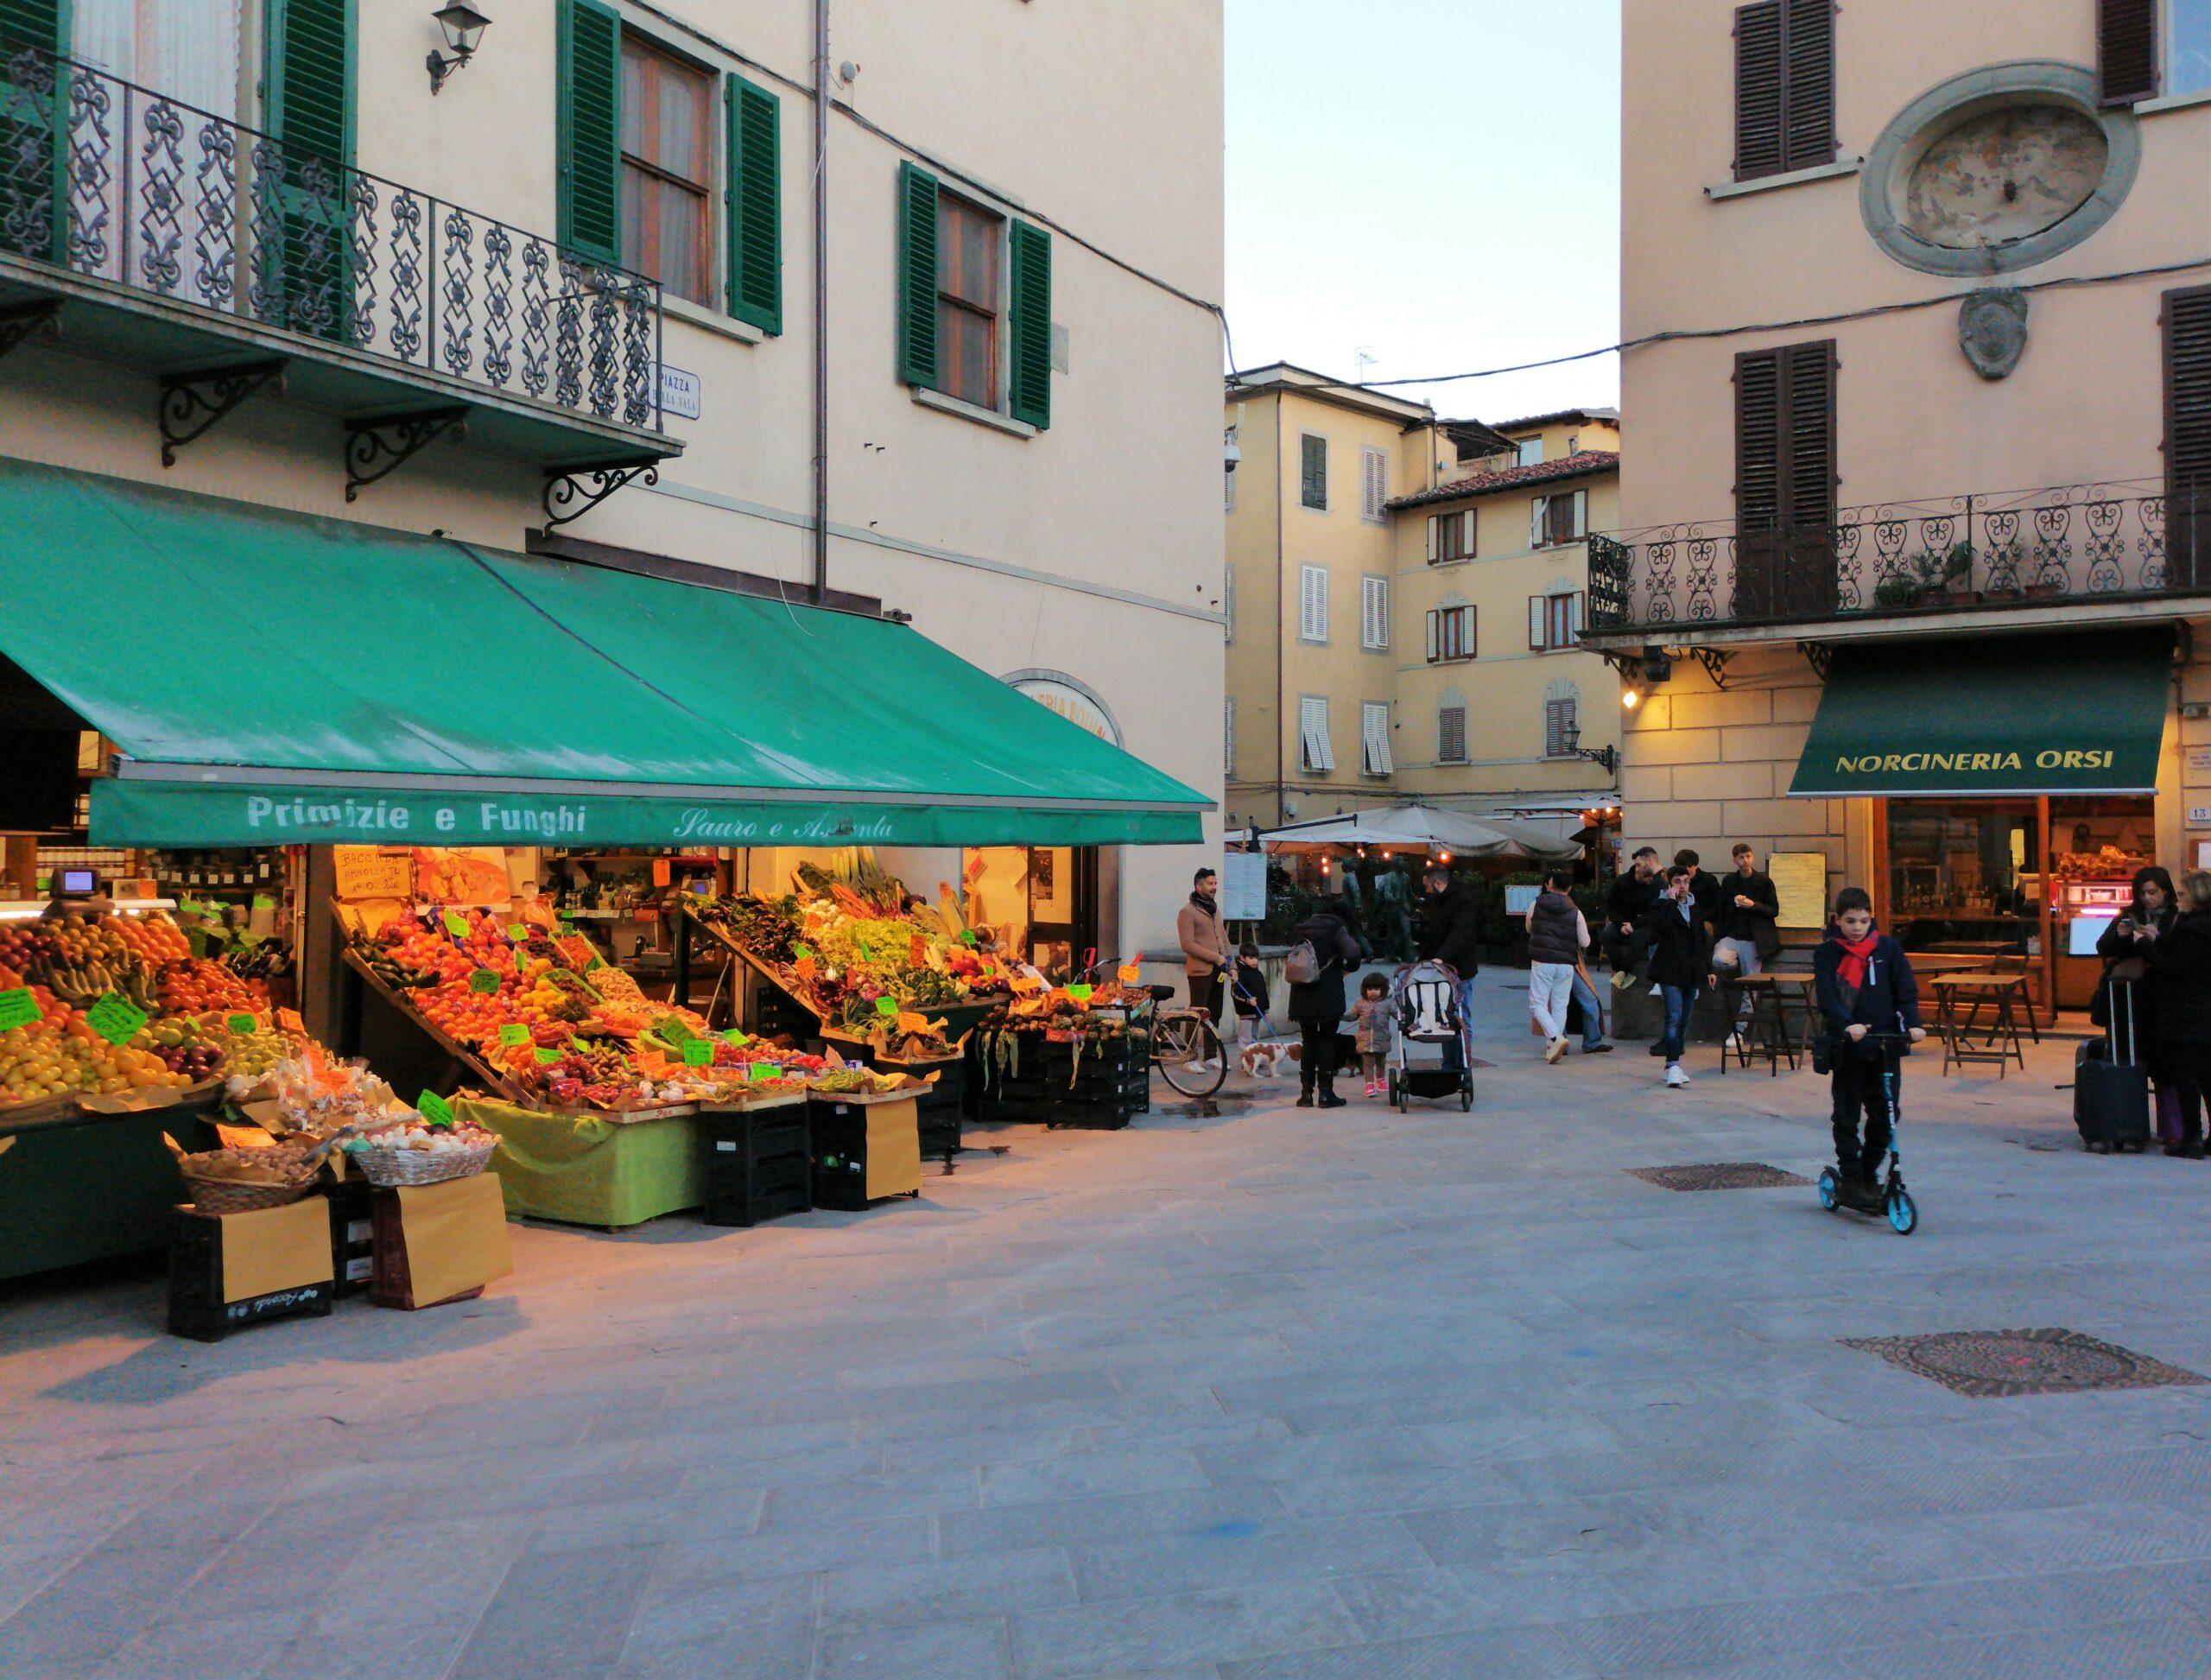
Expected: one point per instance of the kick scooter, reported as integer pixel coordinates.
(1889, 1196)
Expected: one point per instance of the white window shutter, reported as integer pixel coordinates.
(1580, 516)
(1435, 531)
(1573, 616)
(1466, 533)
(1435, 637)
(1537, 511)
(1538, 623)
(1228, 737)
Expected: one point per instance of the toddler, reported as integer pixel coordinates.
(1377, 1023)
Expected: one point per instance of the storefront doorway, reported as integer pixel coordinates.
(1041, 901)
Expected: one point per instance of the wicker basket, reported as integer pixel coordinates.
(388, 1168)
(228, 1195)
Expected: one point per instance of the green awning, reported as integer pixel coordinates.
(274, 677)
(2067, 714)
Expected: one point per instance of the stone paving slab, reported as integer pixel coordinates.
(1282, 1393)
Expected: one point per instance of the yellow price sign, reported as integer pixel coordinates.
(1130, 973)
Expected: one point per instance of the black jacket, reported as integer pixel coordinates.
(1890, 995)
(1704, 893)
(1629, 900)
(1680, 947)
(2115, 945)
(1733, 921)
(1323, 1000)
(1450, 930)
(2180, 971)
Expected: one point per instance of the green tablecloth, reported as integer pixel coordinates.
(591, 1171)
(89, 1186)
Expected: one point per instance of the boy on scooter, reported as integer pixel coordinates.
(1862, 983)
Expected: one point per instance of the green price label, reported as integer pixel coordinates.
(733, 1036)
(866, 956)
(244, 1025)
(1081, 994)
(18, 1008)
(594, 963)
(115, 1019)
(456, 924)
(435, 1109)
(483, 980)
(967, 936)
(521, 961)
(886, 1005)
(675, 1031)
(698, 1053)
(766, 1070)
(547, 1058)
(567, 924)
(262, 901)
(517, 931)
(802, 950)
(514, 1033)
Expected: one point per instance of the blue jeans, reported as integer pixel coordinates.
(1593, 1013)
(1679, 1000)
(1455, 1059)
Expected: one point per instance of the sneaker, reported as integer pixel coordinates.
(1622, 979)
(1675, 1077)
(1557, 1049)
(1372, 1090)
(1596, 1050)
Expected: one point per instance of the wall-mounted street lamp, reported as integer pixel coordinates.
(1607, 757)
(464, 27)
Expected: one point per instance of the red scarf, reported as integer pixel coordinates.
(1854, 958)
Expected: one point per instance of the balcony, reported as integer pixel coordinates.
(146, 232)
(2079, 552)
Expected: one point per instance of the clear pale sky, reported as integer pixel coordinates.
(1435, 181)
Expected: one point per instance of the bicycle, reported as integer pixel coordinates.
(1186, 1048)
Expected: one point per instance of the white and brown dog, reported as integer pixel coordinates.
(1271, 1057)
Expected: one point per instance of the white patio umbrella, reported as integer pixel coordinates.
(1420, 827)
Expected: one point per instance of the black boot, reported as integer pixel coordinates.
(1305, 1090)
(1328, 1097)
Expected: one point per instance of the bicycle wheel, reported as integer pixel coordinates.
(1199, 1065)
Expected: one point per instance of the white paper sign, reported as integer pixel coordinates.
(679, 392)
(1519, 901)
(1243, 887)
(2199, 758)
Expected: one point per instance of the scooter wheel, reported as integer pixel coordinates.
(1828, 1189)
(1903, 1212)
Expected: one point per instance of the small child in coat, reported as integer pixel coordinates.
(1863, 984)
(1377, 1025)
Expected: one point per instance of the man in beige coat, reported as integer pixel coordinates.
(1206, 958)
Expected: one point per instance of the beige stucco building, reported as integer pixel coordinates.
(1928, 439)
(597, 239)
(1407, 596)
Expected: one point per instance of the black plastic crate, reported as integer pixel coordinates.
(352, 1229)
(840, 1152)
(196, 1307)
(758, 1164)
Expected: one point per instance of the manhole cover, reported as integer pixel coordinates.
(2000, 1364)
(1718, 1175)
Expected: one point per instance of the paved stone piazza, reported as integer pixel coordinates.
(1277, 1395)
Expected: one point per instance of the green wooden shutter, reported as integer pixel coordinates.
(917, 347)
(589, 130)
(307, 73)
(35, 221)
(754, 201)
(1031, 323)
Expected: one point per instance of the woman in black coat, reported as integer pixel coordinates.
(2180, 980)
(2125, 1001)
(1318, 1006)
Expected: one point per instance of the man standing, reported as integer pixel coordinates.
(1627, 901)
(1557, 935)
(1204, 938)
(1680, 963)
(1748, 909)
(1704, 887)
(1450, 932)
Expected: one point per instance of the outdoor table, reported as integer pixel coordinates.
(1966, 1039)
(605, 1169)
(1766, 1031)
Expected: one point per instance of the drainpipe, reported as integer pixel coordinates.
(1282, 601)
(821, 300)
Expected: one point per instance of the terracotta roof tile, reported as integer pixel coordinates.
(1588, 462)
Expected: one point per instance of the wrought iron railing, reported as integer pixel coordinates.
(107, 178)
(2093, 542)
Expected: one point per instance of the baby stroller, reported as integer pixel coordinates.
(1426, 997)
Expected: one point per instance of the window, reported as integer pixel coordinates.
(963, 270)
(1228, 605)
(1314, 754)
(2188, 46)
(1373, 485)
(1450, 634)
(1559, 722)
(1530, 452)
(1785, 87)
(1451, 536)
(665, 150)
(1228, 738)
(2188, 437)
(1573, 443)
(1374, 614)
(1554, 622)
(1313, 604)
(1374, 739)
(1451, 734)
(1785, 475)
(1555, 520)
(1313, 471)
(2149, 47)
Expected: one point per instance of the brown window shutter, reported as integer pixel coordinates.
(1758, 143)
(2188, 437)
(1757, 439)
(1809, 492)
(2126, 50)
(1807, 85)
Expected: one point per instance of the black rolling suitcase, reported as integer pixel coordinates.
(2111, 1097)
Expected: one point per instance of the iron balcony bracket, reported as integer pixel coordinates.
(567, 497)
(1714, 660)
(22, 322)
(377, 448)
(191, 403)
(1819, 655)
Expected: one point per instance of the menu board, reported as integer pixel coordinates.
(1243, 887)
(1800, 881)
(371, 871)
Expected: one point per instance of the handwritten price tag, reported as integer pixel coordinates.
(289, 1019)
(886, 1005)
(435, 1109)
(733, 1036)
(1081, 994)
(698, 1053)
(18, 1008)
(456, 924)
(766, 1070)
(242, 1025)
(115, 1018)
(484, 979)
(514, 1033)
(675, 1031)
(546, 1058)
(967, 936)
(1130, 973)
(517, 931)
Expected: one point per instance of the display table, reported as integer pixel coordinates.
(607, 1171)
(76, 1187)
